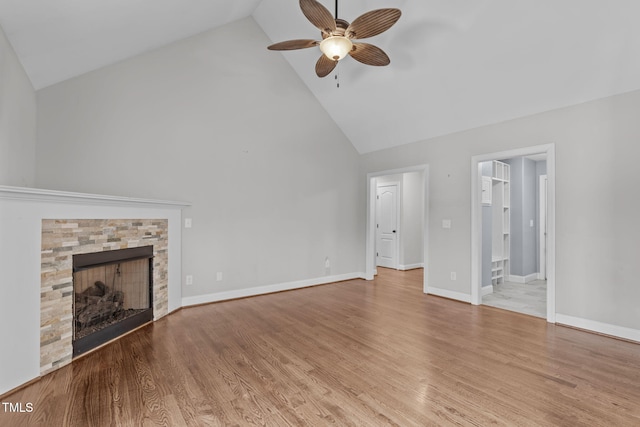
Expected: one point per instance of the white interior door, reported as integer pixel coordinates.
(387, 226)
(543, 227)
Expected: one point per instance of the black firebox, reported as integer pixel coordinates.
(113, 294)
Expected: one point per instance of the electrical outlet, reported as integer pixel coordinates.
(189, 280)
(453, 275)
(188, 223)
(219, 276)
(327, 263)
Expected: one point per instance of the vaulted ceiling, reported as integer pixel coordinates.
(455, 64)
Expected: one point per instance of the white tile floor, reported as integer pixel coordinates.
(528, 298)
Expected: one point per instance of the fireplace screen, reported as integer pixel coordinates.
(112, 295)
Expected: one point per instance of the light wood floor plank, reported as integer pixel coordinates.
(353, 353)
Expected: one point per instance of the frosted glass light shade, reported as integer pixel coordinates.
(336, 47)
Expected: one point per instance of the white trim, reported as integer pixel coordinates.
(267, 289)
(523, 279)
(486, 290)
(476, 221)
(541, 276)
(542, 225)
(370, 234)
(602, 328)
(41, 195)
(410, 266)
(446, 293)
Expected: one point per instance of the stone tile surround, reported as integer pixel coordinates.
(63, 238)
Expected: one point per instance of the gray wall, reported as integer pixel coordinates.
(411, 251)
(17, 120)
(597, 231)
(219, 121)
(523, 211)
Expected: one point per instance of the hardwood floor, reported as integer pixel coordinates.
(351, 353)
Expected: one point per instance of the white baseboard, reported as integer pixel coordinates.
(267, 289)
(486, 290)
(602, 328)
(410, 266)
(458, 296)
(523, 279)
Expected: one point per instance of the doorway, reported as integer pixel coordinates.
(387, 223)
(412, 237)
(505, 265)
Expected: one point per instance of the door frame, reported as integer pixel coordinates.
(370, 261)
(476, 221)
(398, 185)
(542, 225)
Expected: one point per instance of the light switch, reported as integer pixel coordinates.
(530, 223)
(187, 223)
(446, 223)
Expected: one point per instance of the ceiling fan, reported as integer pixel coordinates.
(337, 35)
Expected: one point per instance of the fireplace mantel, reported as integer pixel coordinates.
(38, 194)
(22, 212)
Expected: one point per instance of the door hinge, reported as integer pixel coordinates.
(378, 197)
(377, 254)
(377, 225)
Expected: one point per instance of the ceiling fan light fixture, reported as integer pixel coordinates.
(338, 34)
(336, 47)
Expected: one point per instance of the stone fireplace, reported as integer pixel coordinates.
(98, 248)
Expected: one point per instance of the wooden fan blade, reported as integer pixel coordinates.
(293, 44)
(318, 15)
(372, 23)
(369, 54)
(325, 65)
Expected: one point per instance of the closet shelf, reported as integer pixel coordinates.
(500, 234)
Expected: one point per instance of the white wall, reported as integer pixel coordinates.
(221, 122)
(597, 232)
(412, 218)
(17, 120)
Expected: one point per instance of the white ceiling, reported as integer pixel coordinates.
(455, 64)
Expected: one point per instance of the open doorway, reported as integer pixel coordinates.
(512, 278)
(507, 270)
(397, 200)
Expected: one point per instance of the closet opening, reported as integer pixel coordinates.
(513, 231)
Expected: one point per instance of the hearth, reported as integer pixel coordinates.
(113, 294)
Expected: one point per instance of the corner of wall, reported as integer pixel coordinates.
(17, 121)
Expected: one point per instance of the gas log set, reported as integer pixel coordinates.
(97, 305)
